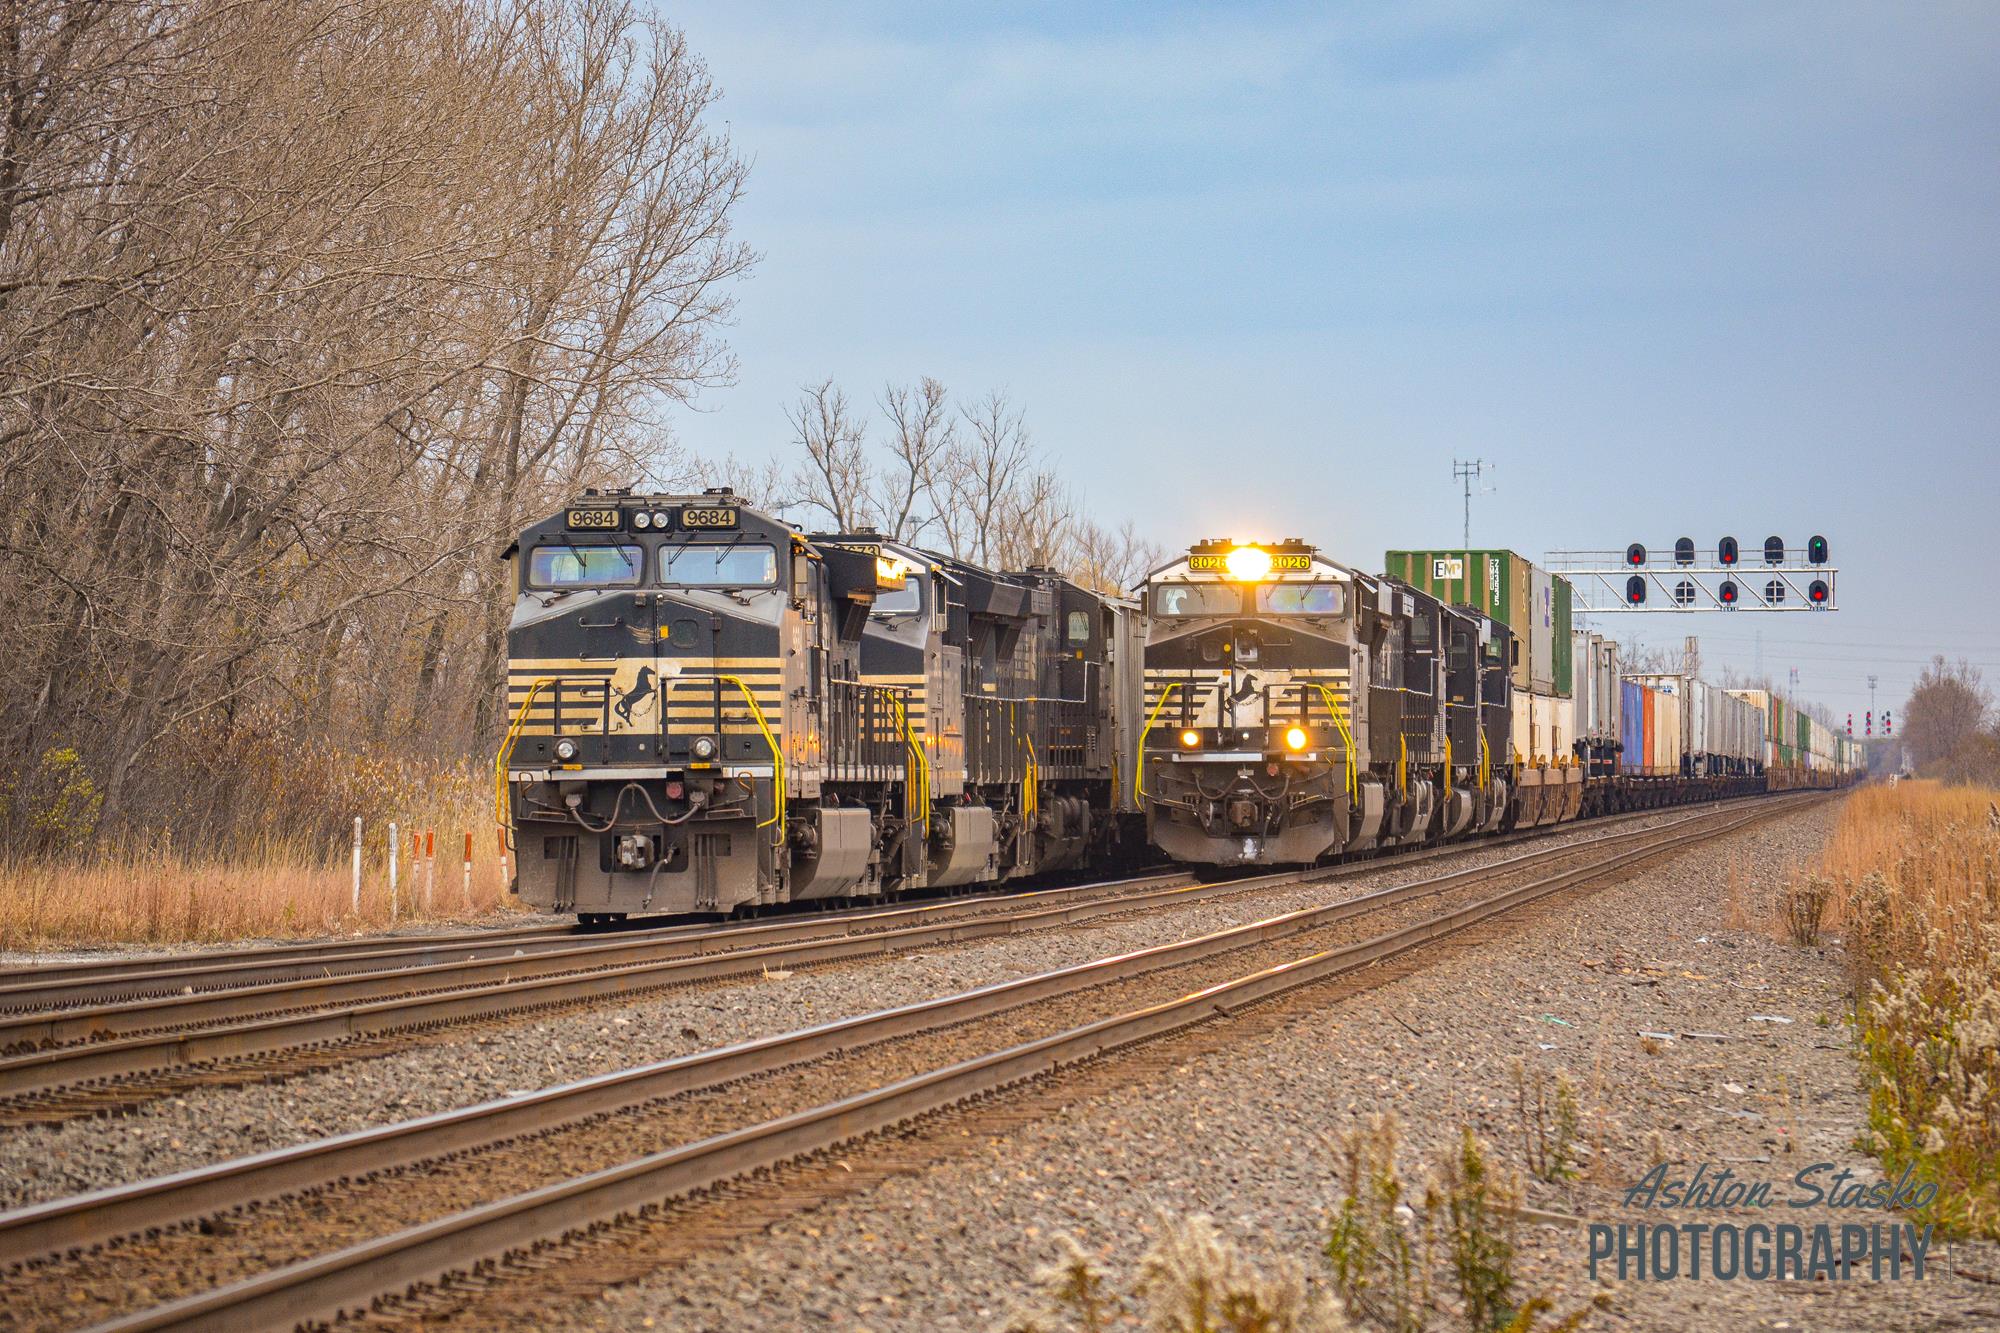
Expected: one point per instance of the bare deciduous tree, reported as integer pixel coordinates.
(304, 306)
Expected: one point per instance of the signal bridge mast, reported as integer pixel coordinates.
(1785, 579)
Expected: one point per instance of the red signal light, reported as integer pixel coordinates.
(1818, 592)
(1635, 590)
(1635, 554)
(1727, 592)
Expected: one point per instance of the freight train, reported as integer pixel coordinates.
(711, 711)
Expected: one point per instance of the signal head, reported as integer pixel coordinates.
(1774, 550)
(1727, 592)
(1818, 592)
(1816, 550)
(1684, 551)
(1725, 551)
(1635, 590)
(1635, 554)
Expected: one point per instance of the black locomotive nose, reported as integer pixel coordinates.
(1242, 813)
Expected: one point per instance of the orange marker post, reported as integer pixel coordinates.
(468, 870)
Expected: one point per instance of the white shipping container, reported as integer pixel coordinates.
(1541, 631)
(1543, 726)
(1667, 748)
(1604, 670)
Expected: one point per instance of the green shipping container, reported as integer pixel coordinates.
(1500, 584)
(1565, 651)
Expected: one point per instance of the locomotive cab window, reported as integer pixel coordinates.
(1197, 599)
(899, 601)
(1302, 599)
(719, 565)
(1079, 627)
(569, 565)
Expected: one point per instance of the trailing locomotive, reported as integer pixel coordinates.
(1297, 709)
(712, 712)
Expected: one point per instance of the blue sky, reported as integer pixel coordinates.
(1265, 270)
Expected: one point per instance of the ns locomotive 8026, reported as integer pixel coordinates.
(711, 711)
(1298, 709)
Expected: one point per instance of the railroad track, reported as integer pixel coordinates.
(99, 982)
(93, 1059)
(1264, 961)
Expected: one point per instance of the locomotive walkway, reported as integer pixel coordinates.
(709, 1115)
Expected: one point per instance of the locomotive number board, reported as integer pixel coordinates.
(594, 520)
(708, 519)
(1281, 563)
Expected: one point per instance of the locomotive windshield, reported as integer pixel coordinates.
(719, 565)
(1197, 599)
(900, 600)
(567, 565)
(1302, 599)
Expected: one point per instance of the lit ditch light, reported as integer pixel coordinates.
(1190, 739)
(1296, 739)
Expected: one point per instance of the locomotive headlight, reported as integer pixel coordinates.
(702, 748)
(1190, 738)
(565, 749)
(1296, 738)
(642, 520)
(660, 520)
(1247, 564)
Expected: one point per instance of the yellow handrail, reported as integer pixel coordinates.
(1139, 769)
(916, 796)
(1346, 738)
(503, 815)
(777, 760)
(1402, 766)
(1485, 759)
(1447, 768)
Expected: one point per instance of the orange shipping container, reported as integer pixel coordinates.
(1652, 726)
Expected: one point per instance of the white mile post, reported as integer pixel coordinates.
(357, 865)
(393, 849)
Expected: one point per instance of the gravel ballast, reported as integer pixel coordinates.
(1241, 1133)
(204, 1125)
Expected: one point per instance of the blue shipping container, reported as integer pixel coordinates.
(1631, 727)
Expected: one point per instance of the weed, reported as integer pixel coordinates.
(1192, 1280)
(1802, 906)
(1379, 1247)
(1551, 1122)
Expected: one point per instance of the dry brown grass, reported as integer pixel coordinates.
(268, 888)
(1916, 876)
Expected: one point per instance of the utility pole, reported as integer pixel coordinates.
(1871, 693)
(1469, 473)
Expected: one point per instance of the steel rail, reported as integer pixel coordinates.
(39, 985)
(325, 1287)
(94, 993)
(378, 1004)
(517, 985)
(85, 1220)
